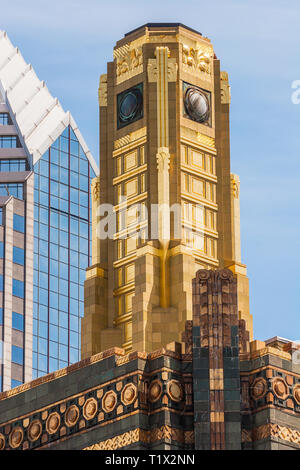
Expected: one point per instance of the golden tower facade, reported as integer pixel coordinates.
(165, 193)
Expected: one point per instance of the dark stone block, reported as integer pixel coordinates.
(196, 331)
(196, 353)
(187, 422)
(202, 428)
(201, 363)
(232, 395)
(246, 421)
(201, 406)
(202, 416)
(204, 352)
(227, 351)
(201, 373)
(232, 374)
(231, 384)
(233, 416)
(200, 384)
(201, 395)
(234, 445)
(231, 363)
(234, 330)
(232, 406)
(202, 441)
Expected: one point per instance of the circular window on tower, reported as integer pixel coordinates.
(130, 105)
(196, 104)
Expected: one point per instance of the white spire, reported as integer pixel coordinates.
(39, 117)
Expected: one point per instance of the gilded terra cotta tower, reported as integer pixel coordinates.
(165, 204)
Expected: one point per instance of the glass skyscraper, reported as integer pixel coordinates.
(45, 225)
(62, 247)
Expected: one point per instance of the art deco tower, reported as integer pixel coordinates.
(164, 142)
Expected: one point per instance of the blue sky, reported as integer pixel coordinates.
(258, 42)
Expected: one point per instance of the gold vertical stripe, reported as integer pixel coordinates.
(166, 123)
(162, 97)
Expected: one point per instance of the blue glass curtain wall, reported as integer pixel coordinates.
(62, 252)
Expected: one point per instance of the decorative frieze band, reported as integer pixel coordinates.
(166, 433)
(198, 59)
(129, 60)
(271, 430)
(93, 407)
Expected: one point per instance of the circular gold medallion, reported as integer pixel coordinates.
(34, 430)
(53, 423)
(155, 391)
(109, 401)
(90, 408)
(175, 391)
(280, 388)
(128, 394)
(71, 416)
(259, 388)
(16, 437)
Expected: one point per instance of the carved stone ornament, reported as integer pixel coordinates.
(90, 408)
(197, 59)
(174, 390)
(163, 159)
(225, 88)
(129, 61)
(205, 274)
(16, 437)
(102, 91)
(71, 416)
(225, 274)
(280, 388)
(172, 70)
(259, 388)
(53, 423)
(235, 185)
(34, 430)
(109, 401)
(128, 394)
(153, 72)
(96, 189)
(155, 391)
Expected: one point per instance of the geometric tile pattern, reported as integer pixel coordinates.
(109, 402)
(272, 430)
(216, 370)
(166, 433)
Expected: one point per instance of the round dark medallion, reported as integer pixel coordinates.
(130, 105)
(196, 104)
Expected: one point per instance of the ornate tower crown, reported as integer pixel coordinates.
(165, 174)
